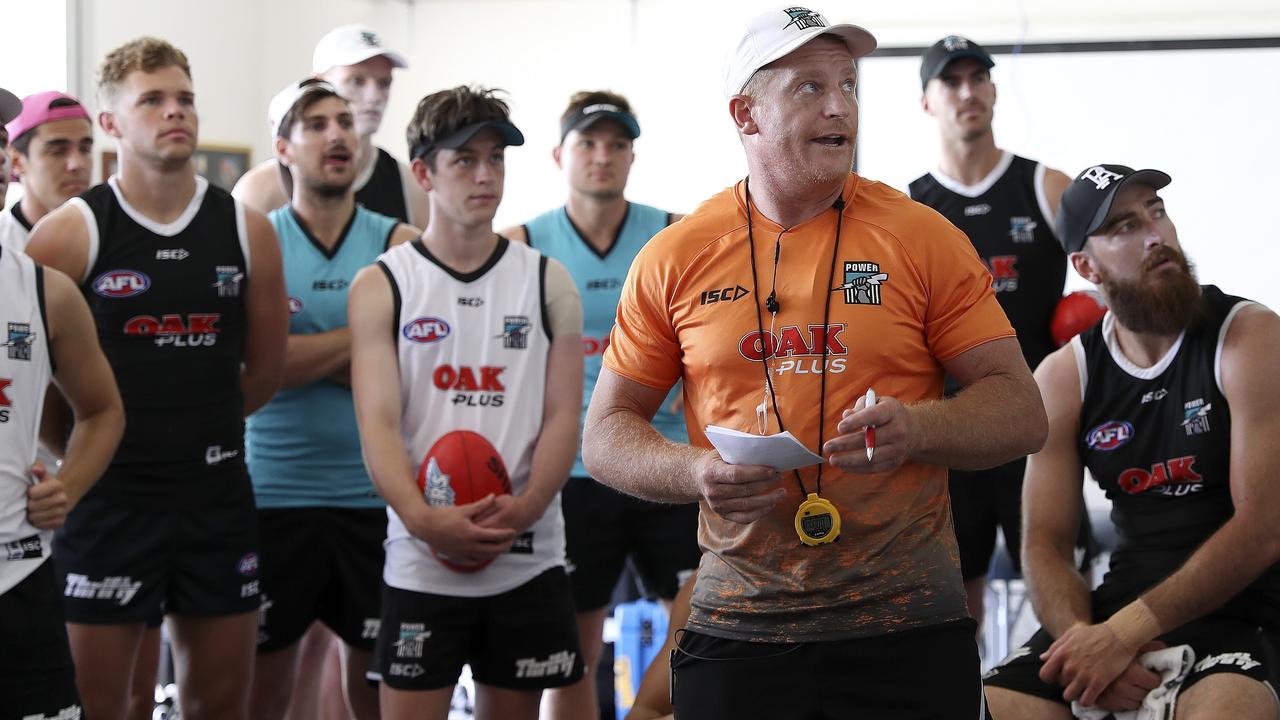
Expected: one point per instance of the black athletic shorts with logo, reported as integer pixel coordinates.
(320, 563)
(523, 639)
(37, 678)
(603, 528)
(122, 561)
(929, 673)
(1221, 644)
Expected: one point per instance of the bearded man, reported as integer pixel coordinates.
(1169, 402)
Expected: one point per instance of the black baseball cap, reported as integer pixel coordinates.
(589, 115)
(510, 134)
(1086, 202)
(945, 51)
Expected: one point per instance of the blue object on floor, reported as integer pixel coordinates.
(642, 630)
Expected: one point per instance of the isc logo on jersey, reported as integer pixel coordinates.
(425, 330)
(473, 387)
(796, 350)
(197, 330)
(121, 284)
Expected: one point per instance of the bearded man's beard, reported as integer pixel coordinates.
(1159, 303)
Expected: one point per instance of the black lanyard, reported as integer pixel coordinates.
(774, 305)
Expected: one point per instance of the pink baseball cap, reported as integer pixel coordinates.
(37, 110)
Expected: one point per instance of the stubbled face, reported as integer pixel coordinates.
(804, 117)
(320, 149)
(58, 161)
(597, 159)
(153, 116)
(962, 99)
(367, 86)
(466, 184)
(1136, 260)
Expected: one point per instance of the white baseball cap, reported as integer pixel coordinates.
(774, 34)
(350, 45)
(286, 99)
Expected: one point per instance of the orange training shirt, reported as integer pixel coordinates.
(909, 292)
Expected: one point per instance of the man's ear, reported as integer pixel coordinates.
(740, 110)
(555, 155)
(282, 151)
(421, 173)
(16, 163)
(1086, 267)
(107, 121)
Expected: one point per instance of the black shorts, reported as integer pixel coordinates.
(118, 563)
(1221, 644)
(927, 673)
(320, 563)
(984, 499)
(523, 639)
(603, 528)
(37, 677)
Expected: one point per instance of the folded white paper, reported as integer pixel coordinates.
(780, 452)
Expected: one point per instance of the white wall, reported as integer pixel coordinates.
(664, 54)
(220, 40)
(1206, 117)
(32, 62)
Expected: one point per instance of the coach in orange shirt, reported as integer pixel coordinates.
(779, 302)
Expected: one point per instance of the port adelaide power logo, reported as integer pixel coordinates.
(20, 339)
(862, 282)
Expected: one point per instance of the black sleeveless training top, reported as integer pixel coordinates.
(1158, 442)
(168, 301)
(1003, 220)
(384, 192)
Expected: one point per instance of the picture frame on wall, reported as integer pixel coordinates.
(222, 165)
(107, 165)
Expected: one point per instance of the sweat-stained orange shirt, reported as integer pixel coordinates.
(909, 292)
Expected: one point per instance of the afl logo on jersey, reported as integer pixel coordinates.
(295, 305)
(426, 330)
(248, 565)
(121, 284)
(1109, 436)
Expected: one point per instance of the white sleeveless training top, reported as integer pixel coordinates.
(24, 374)
(473, 351)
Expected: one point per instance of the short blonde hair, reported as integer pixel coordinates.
(145, 54)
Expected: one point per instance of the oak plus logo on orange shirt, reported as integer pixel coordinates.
(797, 350)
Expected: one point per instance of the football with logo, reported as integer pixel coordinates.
(461, 468)
(1076, 312)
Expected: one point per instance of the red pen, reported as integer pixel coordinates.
(871, 429)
